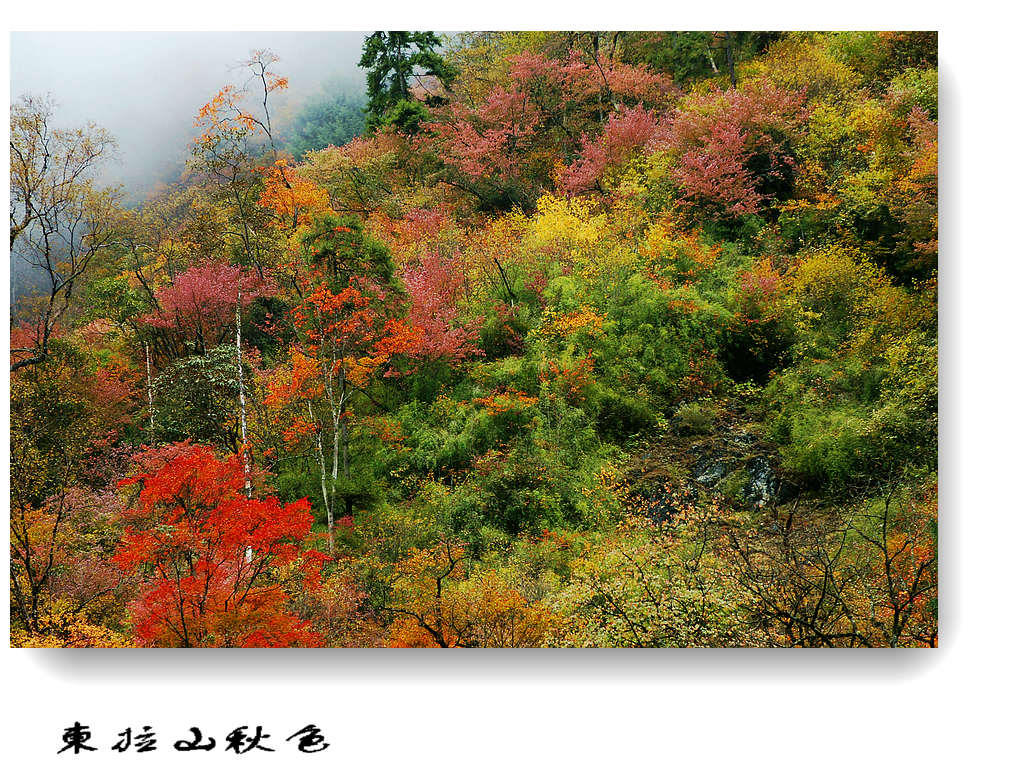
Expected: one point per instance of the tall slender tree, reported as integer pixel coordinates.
(59, 219)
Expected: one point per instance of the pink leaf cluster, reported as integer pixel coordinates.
(575, 80)
(483, 142)
(716, 133)
(435, 285)
(625, 132)
(715, 171)
(201, 302)
(420, 223)
(548, 106)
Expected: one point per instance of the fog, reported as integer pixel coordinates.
(146, 87)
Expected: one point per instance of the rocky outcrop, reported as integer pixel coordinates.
(708, 470)
(738, 465)
(762, 484)
(678, 470)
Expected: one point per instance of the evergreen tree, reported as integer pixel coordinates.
(330, 120)
(393, 60)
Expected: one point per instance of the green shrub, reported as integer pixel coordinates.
(695, 418)
(620, 417)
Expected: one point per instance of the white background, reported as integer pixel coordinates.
(954, 708)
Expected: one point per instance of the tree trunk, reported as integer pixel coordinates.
(322, 477)
(345, 442)
(242, 399)
(148, 387)
(244, 410)
(711, 59)
(729, 59)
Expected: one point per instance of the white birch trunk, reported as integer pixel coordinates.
(244, 411)
(148, 387)
(242, 400)
(322, 476)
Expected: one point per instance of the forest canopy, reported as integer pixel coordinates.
(613, 339)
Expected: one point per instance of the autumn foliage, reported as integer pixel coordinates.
(613, 339)
(199, 305)
(214, 561)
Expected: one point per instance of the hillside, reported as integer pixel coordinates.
(609, 339)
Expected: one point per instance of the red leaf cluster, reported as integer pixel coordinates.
(214, 560)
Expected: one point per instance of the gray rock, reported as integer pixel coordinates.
(743, 439)
(762, 485)
(709, 470)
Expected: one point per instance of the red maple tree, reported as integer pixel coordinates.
(214, 562)
(435, 285)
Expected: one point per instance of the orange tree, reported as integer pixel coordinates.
(346, 333)
(236, 131)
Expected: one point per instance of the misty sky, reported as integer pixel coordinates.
(146, 87)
